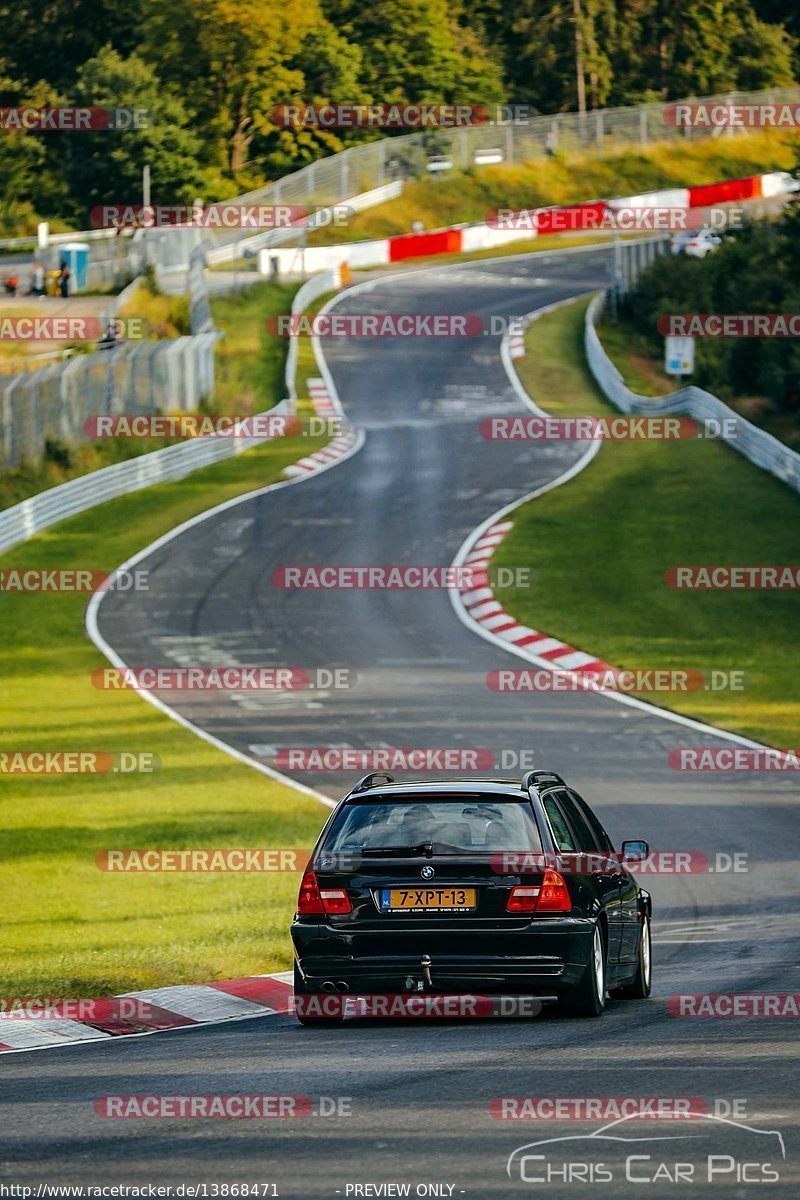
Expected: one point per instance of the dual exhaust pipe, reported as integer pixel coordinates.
(341, 985)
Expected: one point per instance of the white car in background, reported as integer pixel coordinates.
(697, 243)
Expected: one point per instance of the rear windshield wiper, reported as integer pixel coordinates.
(425, 848)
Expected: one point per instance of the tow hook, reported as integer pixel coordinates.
(425, 963)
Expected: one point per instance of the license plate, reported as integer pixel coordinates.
(427, 899)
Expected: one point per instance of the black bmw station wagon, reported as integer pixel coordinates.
(471, 887)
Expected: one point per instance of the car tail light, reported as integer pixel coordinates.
(335, 901)
(314, 901)
(554, 894)
(309, 902)
(551, 896)
(522, 899)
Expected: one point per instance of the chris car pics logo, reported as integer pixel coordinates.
(637, 1151)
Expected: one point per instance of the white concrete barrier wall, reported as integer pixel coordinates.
(666, 198)
(753, 443)
(294, 262)
(778, 183)
(483, 237)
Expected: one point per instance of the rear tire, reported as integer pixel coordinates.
(588, 999)
(639, 987)
(301, 991)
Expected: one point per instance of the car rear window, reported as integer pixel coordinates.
(450, 826)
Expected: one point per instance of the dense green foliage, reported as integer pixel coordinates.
(755, 270)
(210, 74)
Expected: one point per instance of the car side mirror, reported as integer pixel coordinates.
(635, 850)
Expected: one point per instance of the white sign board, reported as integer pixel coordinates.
(679, 355)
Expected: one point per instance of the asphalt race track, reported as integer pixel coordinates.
(420, 1092)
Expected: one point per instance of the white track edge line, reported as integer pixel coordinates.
(93, 630)
(468, 544)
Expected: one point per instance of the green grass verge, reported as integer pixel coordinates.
(70, 929)
(249, 361)
(470, 195)
(601, 543)
(633, 359)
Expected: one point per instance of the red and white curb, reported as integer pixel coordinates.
(480, 605)
(325, 405)
(339, 446)
(478, 610)
(321, 399)
(516, 344)
(156, 1010)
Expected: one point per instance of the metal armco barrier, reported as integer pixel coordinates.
(360, 169)
(760, 447)
(161, 466)
(317, 286)
(631, 258)
(54, 402)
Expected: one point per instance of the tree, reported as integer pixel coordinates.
(232, 58)
(330, 69)
(106, 166)
(55, 37)
(418, 51)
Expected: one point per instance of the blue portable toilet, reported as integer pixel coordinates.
(77, 256)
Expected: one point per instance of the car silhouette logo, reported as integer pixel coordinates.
(427, 872)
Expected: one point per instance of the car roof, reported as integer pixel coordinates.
(511, 789)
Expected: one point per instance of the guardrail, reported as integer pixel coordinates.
(250, 245)
(315, 287)
(160, 466)
(343, 175)
(760, 447)
(359, 169)
(56, 239)
(53, 403)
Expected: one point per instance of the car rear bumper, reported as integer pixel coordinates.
(541, 958)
